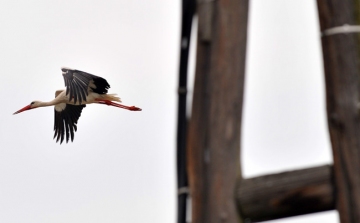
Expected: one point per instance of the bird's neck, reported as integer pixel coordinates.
(47, 103)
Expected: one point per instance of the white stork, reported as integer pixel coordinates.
(81, 88)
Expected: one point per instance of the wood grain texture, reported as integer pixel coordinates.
(341, 62)
(214, 129)
(286, 194)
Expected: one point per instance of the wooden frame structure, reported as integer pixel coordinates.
(219, 194)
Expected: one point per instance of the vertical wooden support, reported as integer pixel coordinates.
(341, 62)
(188, 10)
(214, 130)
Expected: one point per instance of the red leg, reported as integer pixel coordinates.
(107, 102)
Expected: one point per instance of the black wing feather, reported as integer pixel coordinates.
(83, 87)
(72, 90)
(78, 82)
(101, 85)
(66, 121)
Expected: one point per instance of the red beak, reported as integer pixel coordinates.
(28, 107)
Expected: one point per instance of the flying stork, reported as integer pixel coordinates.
(81, 88)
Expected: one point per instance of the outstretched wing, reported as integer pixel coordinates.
(79, 83)
(66, 118)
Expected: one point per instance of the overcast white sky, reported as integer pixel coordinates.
(121, 165)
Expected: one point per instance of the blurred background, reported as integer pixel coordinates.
(121, 165)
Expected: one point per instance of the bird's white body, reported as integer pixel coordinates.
(81, 89)
(62, 99)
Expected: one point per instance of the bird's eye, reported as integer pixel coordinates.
(32, 103)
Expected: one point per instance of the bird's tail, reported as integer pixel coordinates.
(111, 97)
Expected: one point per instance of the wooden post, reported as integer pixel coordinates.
(341, 62)
(214, 130)
(188, 10)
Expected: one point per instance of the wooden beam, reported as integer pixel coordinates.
(286, 194)
(342, 76)
(214, 128)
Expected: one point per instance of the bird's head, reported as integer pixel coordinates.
(33, 104)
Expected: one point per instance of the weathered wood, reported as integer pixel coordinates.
(214, 131)
(286, 194)
(341, 62)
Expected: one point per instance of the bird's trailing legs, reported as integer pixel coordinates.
(107, 102)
